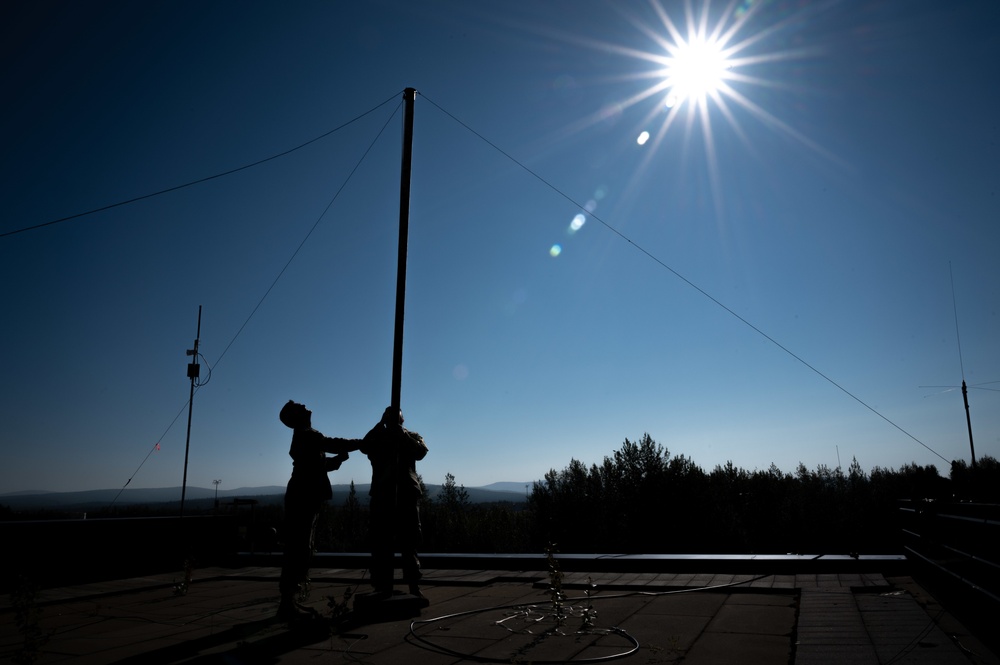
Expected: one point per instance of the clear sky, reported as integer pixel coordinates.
(819, 182)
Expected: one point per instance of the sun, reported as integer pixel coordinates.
(696, 70)
(706, 66)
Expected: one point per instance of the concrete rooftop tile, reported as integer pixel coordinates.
(227, 615)
(726, 649)
(753, 619)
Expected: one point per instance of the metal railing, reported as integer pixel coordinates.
(959, 542)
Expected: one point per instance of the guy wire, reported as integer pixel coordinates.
(200, 180)
(275, 281)
(684, 279)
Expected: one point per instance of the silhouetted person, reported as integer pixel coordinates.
(308, 488)
(395, 500)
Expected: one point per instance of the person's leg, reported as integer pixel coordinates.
(380, 535)
(408, 521)
(300, 525)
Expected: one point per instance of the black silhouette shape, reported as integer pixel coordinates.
(395, 500)
(308, 488)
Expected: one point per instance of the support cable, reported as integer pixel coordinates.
(200, 180)
(260, 302)
(152, 449)
(313, 228)
(684, 279)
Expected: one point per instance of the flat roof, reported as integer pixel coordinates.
(227, 615)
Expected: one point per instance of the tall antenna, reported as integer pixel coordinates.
(961, 364)
(404, 222)
(954, 305)
(965, 387)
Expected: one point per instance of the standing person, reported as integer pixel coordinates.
(308, 488)
(395, 499)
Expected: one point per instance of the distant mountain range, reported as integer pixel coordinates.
(96, 499)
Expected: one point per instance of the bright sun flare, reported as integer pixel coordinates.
(706, 65)
(696, 70)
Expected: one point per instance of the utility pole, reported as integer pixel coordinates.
(193, 371)
(404, 222)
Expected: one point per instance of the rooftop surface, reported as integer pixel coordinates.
(226, 615)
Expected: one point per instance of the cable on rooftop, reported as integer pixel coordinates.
(427, 644)
(521, 606)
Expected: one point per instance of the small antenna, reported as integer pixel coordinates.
(961, 364)
(958, 337)
(965, 387)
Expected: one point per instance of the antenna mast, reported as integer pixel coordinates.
(961, 364)
(968, 422)
(193, 371)
(404, 222)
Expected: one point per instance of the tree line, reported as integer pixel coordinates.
(642, 499)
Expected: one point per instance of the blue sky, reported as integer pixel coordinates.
(850, 171)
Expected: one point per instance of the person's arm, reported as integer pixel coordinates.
(373, 439)
(337, 446)
(333, 463)
(414, 446)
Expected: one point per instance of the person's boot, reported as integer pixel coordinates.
(291, 612)
(415, 591)
(382, 590)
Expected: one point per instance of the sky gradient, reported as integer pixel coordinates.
(768, 278)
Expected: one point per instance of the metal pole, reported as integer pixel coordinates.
(961, 363)
(404, 222)
(968, 422)
(193, 370)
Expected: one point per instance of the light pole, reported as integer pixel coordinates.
(217, 482)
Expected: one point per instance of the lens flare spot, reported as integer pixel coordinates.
(577, 223)
(555, 250)
(460, 372)
(642, 138)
